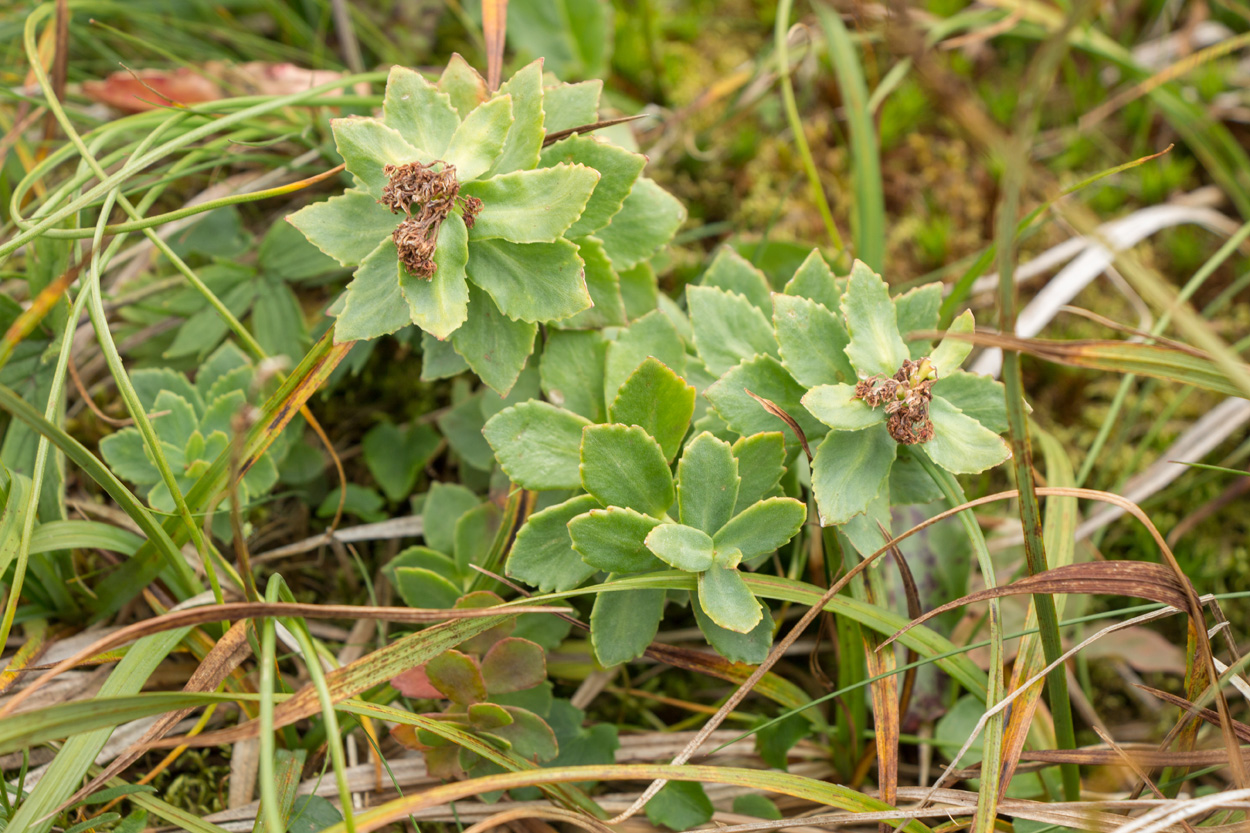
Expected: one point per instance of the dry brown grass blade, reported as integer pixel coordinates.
(1143, 755)
(779, 412)
(253, 610)
(522, 814)
(1241, 730)
(225, 656)
(26, 656)
(494, 29)
(552, 138)
(1138, 579)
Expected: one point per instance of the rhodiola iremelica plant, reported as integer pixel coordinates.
(478, 216)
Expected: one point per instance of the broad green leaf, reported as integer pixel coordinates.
(727, 600)
(513, 664)
(462, 426)
(445, 504)
(525, 137)
(624, 466)
(221, 413)
(457, 677)
(572, 372)
(875, 346)
(422, 115)
(657, 400)
(465, 88)
(396, 457)
(278, 321)
(849, 470)
(681, 805)
(754, 804)
(177, 421)
(364, 503)
(374, 304)
(619, 169)
(225, 360)
(750, 647)
(286, 253)
(124, 452)
(530, 281)
(731, 272)
(531, 738)
(652, 335)
(639, 290)
(977, 396)
(765, 377)
(837, 407)
(423, 588)
(495, 346)
(614, 540)
(761, 465)
(727, 328)
(439, 359)
(474, 535)
(648, 219)
(814, 280)
(762, 527)
(537, 445)
(909, 482)
(535, 206)
(773, 742)
(960, 444)
(604, 286)
(566, 106)
(951, 352)
(812, 340)
(543, 554)
(479, 139)
(681, 547)
(707, 483)
(527, 387)
(623, 623)
(574, 37)
(367, 146)
(917, 309)
(347, 227)
(440, 304)
(426, 559)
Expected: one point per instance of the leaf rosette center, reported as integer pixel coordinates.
(906, 397)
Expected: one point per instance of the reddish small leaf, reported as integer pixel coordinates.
(514, 664)
(457, 677)
(416, 683)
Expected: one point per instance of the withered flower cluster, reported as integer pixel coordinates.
(906, 398)
(426, 196)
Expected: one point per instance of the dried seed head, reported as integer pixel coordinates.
(472, 205)
(416, 249)
(425, 196)
(906, 398)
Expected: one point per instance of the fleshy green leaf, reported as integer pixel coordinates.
(951, 352)
(422, 115)
(731, 272)
(837, 407)
(178, 421)
(604, 286)
(681, 547)
(537, 445)
(681, 805)
(977, 396)
(623, 623)
(574, 37)
(814, 280)
(543, 554)
(657, 400)
(124, 452)
(474, 534)
(439, 359)
(440, 304)
(765, 377)
(727, 600)
(614, 540)
(525, 137)
(849, 470)
(572, 372)
(624, 466)
(648, 219)
(462, 426)
(813, 341)
(707, 483)
(495, 346)
(875, 346)
(465, 88)
(727, 328)
(420, 587)
(619, 169)
(761, 465)
(367, 146)
(651, 335)
(445, 504)
(374, 304)
(535, 206)
(457, 677)
(397, 457)
(960, 444)
(530, 281)
(566, 106)
(347, 227)
(909, 482)
(531, 738)
(639, 290)
(750, 647)
(479, 139)
(513, 664)
(762, 527)
(917, 309)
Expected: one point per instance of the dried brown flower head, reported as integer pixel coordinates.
(906, 398)
(426, 196)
